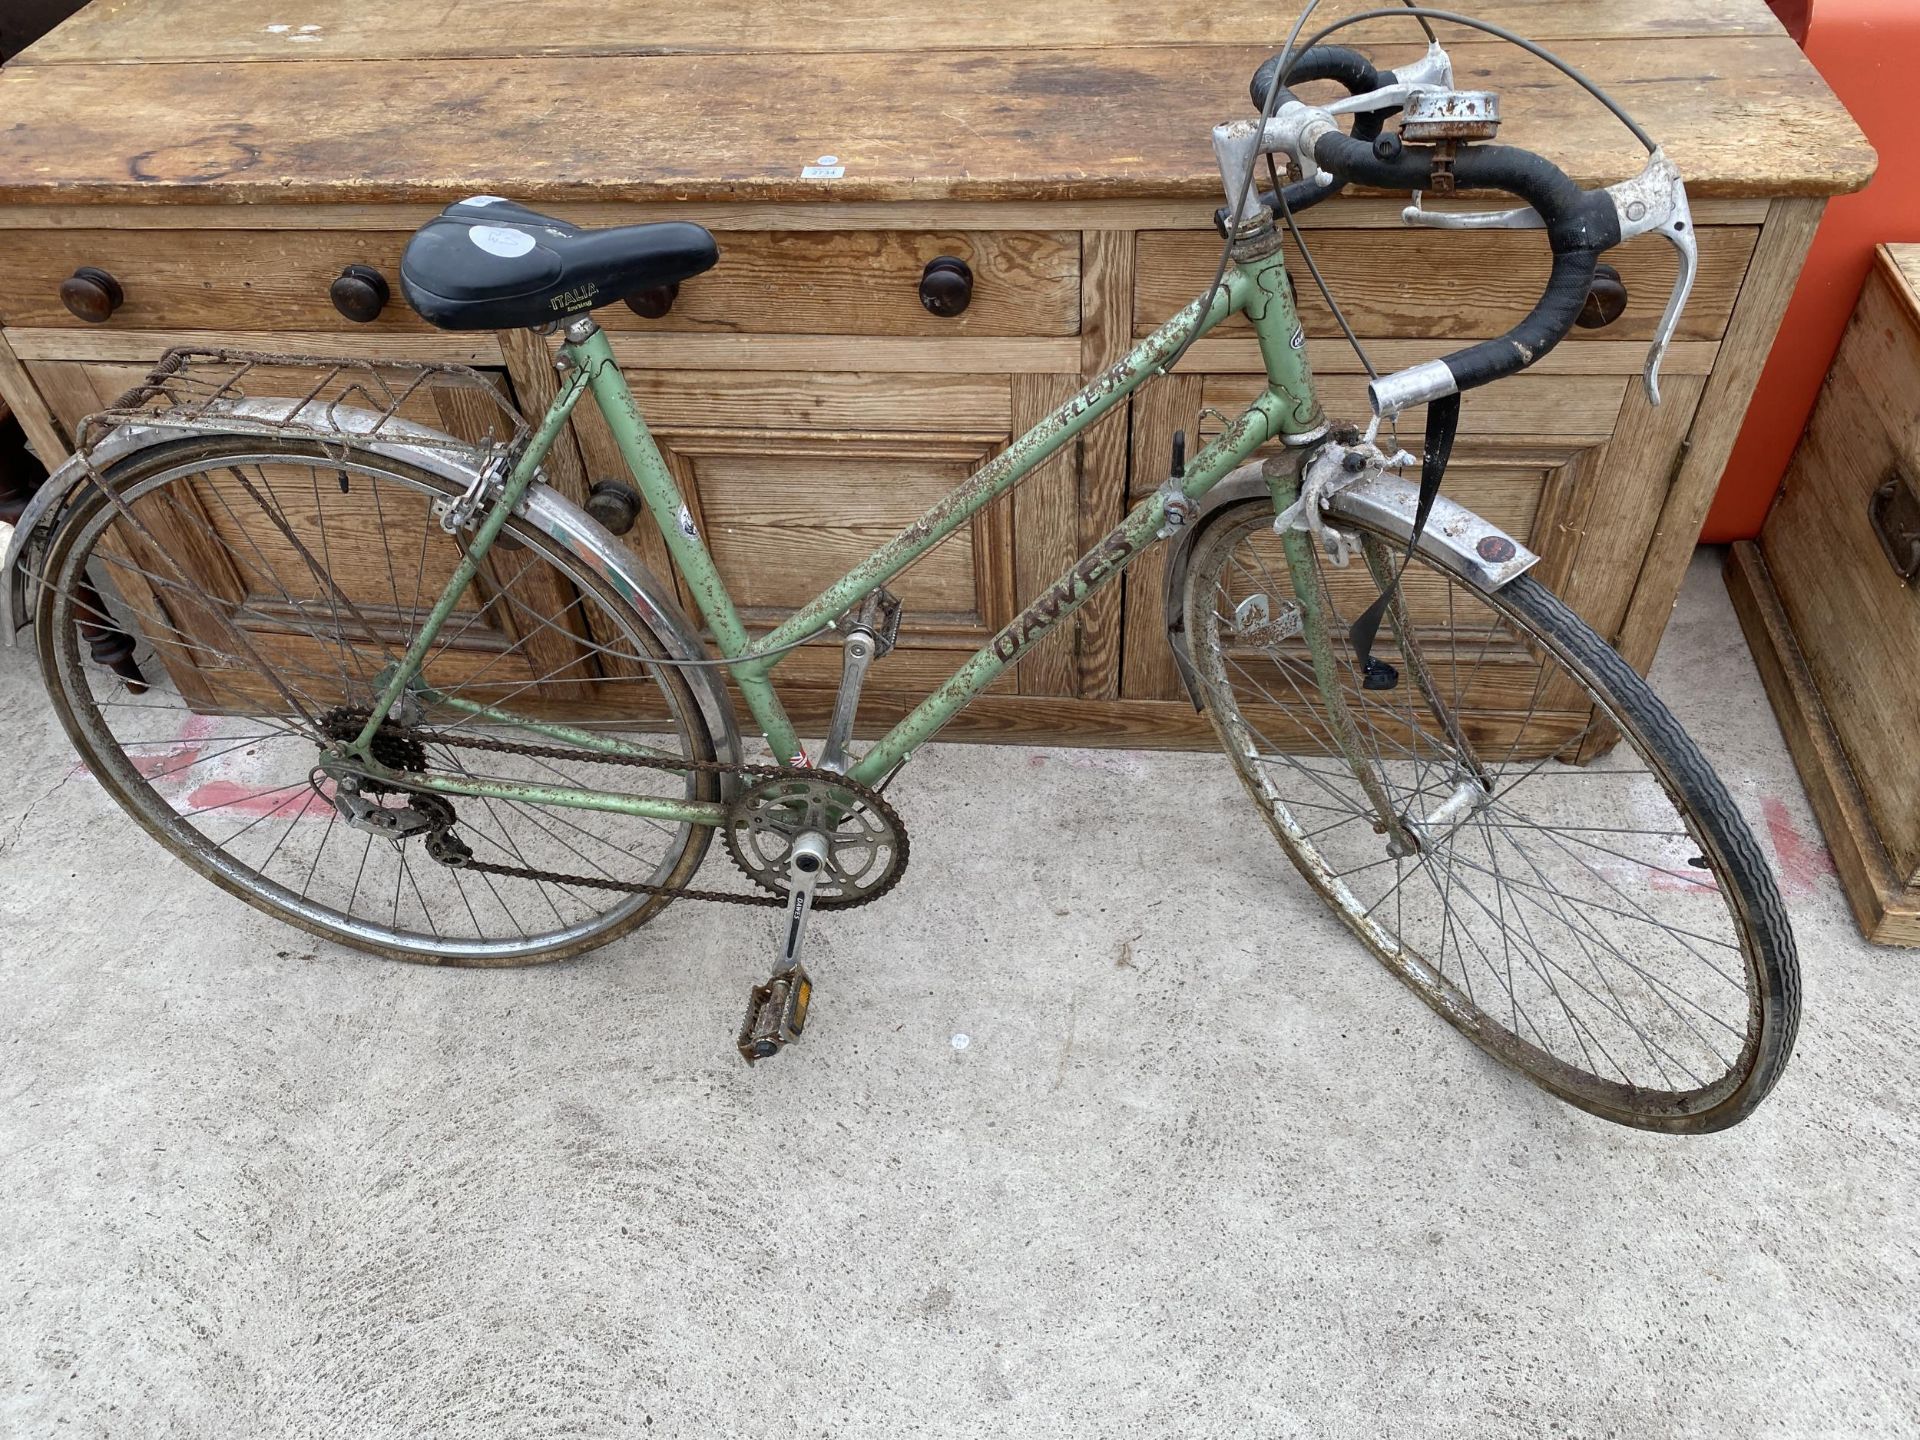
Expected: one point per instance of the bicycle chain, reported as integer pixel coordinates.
(646, 762)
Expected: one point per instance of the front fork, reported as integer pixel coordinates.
(1406, 834)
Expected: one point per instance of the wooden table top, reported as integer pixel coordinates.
(362, 101)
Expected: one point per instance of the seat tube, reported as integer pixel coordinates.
(587, 347)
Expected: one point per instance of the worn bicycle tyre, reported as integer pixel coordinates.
(79, 691)
(1555, 636)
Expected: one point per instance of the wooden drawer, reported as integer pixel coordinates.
(1447, 285)
(1835, 626)
(867, 282)
(825, 282)
(233, 280)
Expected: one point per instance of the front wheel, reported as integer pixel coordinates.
(1595, 914)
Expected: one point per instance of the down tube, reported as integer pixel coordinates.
(1267, 417)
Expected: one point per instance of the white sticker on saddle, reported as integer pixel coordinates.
(496, 241)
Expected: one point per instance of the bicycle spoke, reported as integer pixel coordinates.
(289, 638)
(1560, 914)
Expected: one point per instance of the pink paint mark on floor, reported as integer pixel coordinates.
(1681, 882)
(182, 753)
(234, 798)
(177, 764)
(1802, 859)
(174, 757)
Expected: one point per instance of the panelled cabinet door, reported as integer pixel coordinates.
(256, 536)
(793, 480)
(1568, 458)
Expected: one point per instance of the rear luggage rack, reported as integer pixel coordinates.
(325, 398)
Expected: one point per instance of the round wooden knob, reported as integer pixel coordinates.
(92, 295)
(654, 301)
(360, 293)
(946, 285)
(615, 504)
(1606, 299)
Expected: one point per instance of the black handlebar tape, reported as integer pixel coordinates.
(1581, 226)
(1323, 62)
(1545, 326)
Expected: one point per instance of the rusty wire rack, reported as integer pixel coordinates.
(326, 398)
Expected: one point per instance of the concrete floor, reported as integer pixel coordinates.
(1102, 1128)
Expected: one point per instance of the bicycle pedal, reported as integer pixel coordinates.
(776, 1013)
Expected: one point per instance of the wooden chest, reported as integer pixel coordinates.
(224, 168)
(1830, 597)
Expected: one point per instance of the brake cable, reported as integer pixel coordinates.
(1443, 415)
(1288, 59)
(1540, 52)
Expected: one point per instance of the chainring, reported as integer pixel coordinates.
(866, 840)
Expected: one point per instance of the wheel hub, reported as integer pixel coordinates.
(391, 748)
(355, 795)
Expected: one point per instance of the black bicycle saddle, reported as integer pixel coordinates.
(489, 264)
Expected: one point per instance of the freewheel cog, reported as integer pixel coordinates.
(866, 839)
(391, 747)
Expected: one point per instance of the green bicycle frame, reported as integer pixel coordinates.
(1288, 409)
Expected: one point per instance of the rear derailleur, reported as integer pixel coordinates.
(358, 798)
(430, 816)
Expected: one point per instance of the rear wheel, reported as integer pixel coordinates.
(1570, 885)
(266, 585)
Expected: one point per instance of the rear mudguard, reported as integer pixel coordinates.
(1455, 539)
(545, 508)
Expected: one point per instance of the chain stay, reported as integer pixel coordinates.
(453, 739)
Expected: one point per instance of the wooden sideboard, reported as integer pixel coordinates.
(225, 168)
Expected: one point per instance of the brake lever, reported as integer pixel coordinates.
(1654, 201)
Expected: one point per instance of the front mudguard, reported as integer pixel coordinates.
(1455, 539)
(544, 508)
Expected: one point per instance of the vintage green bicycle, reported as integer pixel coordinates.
(288, 594)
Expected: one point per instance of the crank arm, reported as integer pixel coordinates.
(777, 1010)
(809, 858)
(859, 653)
(872, 630)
